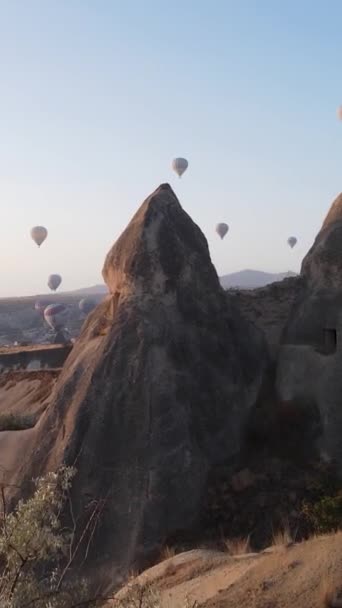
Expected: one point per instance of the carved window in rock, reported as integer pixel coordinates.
(329, 341)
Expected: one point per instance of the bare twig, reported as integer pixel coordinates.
(73, 528)
(18, 573)
(91, 536)
(72, 557)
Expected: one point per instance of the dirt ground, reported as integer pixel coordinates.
(304, 575)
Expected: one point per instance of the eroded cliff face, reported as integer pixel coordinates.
(310, 359)
(155, 392)
(322, 266)
(169, 377)
(301, 319)
(269, 308)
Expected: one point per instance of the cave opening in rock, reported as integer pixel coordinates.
(330, 340)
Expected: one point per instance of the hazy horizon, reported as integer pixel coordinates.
(98, 98)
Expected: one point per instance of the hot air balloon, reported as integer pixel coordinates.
(180, 165)
(292, 241)
(54, 281)
(56, 315)
(339, 112)
(87, 305)
(40, 306)
(222, 229)
(39, 234)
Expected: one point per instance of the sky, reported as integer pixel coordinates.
(98, 96)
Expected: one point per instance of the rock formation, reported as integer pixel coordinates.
(304, 317)
(156, 390)
(309, 366)
(322, 266)
(301, 319)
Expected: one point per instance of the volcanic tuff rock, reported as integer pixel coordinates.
(156, 390)
(309, 365)
(322, 266)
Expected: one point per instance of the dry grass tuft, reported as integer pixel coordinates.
(132, 575)
(237, 546)
(138, 596)
(167, 553)
(283, 537)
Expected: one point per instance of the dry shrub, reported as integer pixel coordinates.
(138, 596)
(237, 546)
(33, 548)
(132, 575)
(283, 537)
(167, 552)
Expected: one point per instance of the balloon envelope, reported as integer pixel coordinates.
(86, 305)
(339, 112)
(39, 234)
(54, 281)
(292, 241)
(180, 165)
(222, 229)
(56, 315)
(40, 305)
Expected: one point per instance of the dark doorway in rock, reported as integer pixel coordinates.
(330, 341)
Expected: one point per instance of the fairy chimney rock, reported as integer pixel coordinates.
(160, 250)
(156, 390)
(322, 266)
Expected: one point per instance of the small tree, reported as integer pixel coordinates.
(33, 545)
(36, 553)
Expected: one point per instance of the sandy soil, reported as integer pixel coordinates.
(305, 575)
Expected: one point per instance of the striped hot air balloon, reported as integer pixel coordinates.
(56, 315)
(40, 306)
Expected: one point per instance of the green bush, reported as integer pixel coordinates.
(324, 515)
(16, 422)
(36, 553)
(33, 545)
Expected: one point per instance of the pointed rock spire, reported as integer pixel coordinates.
(155, 392)
(160, 249)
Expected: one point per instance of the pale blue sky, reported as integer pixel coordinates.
(98, 96)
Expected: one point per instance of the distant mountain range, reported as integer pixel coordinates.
(244, 279)
(90, 291)
(252, 279)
